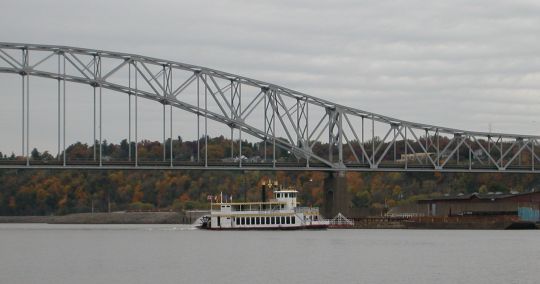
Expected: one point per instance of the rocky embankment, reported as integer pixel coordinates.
(107, 218)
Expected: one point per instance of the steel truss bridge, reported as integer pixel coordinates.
(317, 134)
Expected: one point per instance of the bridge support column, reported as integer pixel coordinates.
(336, 196)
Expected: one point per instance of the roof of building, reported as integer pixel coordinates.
(470, 196)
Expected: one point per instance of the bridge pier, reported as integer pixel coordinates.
(336, 196)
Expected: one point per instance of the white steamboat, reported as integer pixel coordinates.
(280, 213)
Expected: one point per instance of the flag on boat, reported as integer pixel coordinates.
(209, 197)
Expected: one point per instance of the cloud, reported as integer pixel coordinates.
(400, 58)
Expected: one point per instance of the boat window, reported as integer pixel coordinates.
(252, 220)
(237, 221)
(273, 220)
(262, 220)
(293, 219)
(282, 219)
(267, 220)
(288, 219)
(247, 220)
(258, 220)
(277, 220)
(243, 221)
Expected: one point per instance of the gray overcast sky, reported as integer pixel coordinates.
(462, 64)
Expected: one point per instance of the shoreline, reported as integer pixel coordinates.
(191, 217)
(107, 218)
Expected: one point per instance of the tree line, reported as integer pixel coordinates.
(45, 192)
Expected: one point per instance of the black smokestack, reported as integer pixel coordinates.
(263, 192)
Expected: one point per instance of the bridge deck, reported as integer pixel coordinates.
(281, 166)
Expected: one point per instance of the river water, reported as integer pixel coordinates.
(40, 253)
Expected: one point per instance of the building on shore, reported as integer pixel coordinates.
(415, 156)
(471, 211)
(475, 204)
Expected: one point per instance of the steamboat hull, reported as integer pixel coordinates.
(310, 227)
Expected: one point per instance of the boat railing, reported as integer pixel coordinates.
(245, 208)
(309, 210)
(258, 211)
